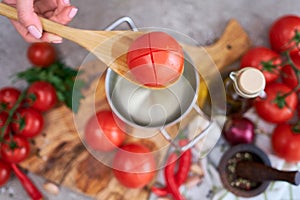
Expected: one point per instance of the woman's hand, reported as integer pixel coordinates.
(29, 26)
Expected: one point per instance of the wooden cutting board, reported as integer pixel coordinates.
(59, 155)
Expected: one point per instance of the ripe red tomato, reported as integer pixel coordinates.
(134, 166)
(274, 108)
(5, 172)
(264, 59)
(44, 95)
(286, 142)
(3, 119)
(27, 122)
(155, 59)
(283, 33)
(9, 96)
(289, 77)
(41, 54)
(104, 132)
(16, 151)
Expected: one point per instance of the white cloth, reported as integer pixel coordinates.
(211, 187)
(276, 191)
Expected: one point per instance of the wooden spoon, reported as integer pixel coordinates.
(111, 46)
(105, 45)
(259, 172)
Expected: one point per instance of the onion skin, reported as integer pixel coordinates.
(239, 130)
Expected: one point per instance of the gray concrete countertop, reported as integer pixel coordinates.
(202, 20)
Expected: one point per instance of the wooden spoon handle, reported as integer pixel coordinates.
(8, 11)
(259, 172)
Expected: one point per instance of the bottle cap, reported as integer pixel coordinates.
(249, 82)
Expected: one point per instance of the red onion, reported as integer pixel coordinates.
(239, 130)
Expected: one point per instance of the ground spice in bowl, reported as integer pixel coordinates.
(233, 178)
(227, 169)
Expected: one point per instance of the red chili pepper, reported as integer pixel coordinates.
(170, 178)
(160, 191)
(182, 172)
(30, 188)
(184, 164)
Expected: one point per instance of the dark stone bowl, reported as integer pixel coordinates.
(259, 156)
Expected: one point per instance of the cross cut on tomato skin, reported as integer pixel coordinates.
(155, 59)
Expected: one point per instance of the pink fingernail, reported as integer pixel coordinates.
(73, 12)
(57, 41)
(34, 31)
(67, 2)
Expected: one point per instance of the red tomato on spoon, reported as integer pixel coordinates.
(155, 59)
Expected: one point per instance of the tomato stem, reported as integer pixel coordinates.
(296, 39)
(280, 99)
(295, 69)
(269, 66)
(296, 128)
(11, 113)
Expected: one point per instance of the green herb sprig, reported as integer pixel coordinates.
(62, 77)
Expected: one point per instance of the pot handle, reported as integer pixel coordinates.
(210, 139)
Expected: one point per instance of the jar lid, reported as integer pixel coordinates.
(249, 82)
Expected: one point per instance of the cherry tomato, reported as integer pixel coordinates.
(5, 172)
(3, 119)
(9, 96)
(44, 95)
(264, 59)
(28, 122)
(134, 166)
(104, 132)
(286, 142)
(41, 54)
(289, 77)
(15, 150)
(155, 59)
(283, 33)
(274, 108)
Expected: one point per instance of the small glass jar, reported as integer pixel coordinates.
(242, 87)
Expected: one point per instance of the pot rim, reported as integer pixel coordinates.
(155, 127)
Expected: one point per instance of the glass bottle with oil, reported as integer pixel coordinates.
(241, 88)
